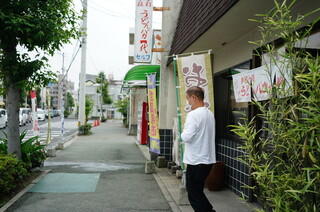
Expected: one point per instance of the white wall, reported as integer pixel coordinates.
(167, 100)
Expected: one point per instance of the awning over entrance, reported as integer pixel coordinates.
(136, 76)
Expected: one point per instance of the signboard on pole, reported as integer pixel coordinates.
(143, 31)
(153, 115)
(35, 124)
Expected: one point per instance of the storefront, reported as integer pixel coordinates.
(135, 86)
(223, 27)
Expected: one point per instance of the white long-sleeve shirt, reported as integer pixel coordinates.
(199, 137)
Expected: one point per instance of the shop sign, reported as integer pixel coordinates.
(153, 115)
(195, 70)
(259, 82)
(143, 31)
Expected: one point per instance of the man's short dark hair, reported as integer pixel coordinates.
(197, 91)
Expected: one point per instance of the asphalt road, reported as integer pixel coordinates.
(70, 127)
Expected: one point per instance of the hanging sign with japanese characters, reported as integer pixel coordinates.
(143, 31)
(153, 115)
(157, 39)
(195, 70)
(260, 81)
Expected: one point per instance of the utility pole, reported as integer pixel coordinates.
(82, 80)
(62, 97)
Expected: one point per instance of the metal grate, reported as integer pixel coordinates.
(237, 172)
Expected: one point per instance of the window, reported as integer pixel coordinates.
(227, 110)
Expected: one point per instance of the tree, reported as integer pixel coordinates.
(89, 106)
(103, 89)
(69, 102)
(122, 106)
(36, 26)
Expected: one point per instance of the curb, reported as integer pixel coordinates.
(172, 203)
(52, 148)
(21, 193)
(67, 141)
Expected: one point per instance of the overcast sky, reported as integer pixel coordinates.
(108, 39)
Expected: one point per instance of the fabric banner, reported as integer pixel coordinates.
(283, 82)
(35, 124)
(259, 82)
(143, 31)
(153, 115)
(195, 70)
(157, 40)
(242, 87)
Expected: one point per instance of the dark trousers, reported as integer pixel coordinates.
(195, 179)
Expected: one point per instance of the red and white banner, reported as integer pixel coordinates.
(259, 83)
(143, 31)
(157, 40)
(35, 124)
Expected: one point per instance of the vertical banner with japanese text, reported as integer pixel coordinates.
(143, 31)
(157, 43)
(195, 70)
(153, 115)
(35, 124)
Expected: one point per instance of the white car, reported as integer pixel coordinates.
(28, 115)
(3, 118)
(41, 115)
(22, 117)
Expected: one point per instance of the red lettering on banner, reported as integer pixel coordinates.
(280, 80)
(148, 3)
(140, 4)
(144, 47)
(193, 77)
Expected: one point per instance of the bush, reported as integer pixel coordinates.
(283, 154)
(66, 113)
(85, 129)
(103, 119)
(32, 153)
(12, 173)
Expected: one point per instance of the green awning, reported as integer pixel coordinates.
(138, 73)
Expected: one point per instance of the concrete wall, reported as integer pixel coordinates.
(167, 104)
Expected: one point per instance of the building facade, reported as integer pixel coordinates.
(221, 26)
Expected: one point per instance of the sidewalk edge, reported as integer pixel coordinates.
(172, 203)
(21, 193)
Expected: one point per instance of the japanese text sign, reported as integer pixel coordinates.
(259, 83)
(143, 31)
(195, 70)
(153, 115)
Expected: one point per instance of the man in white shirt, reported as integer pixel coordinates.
(199, 137)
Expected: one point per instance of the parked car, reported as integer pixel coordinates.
(28, 113)
(3, 118)
(22, 117)
(41, 115)
(51, 113)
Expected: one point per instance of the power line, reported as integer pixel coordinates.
(69, 66)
